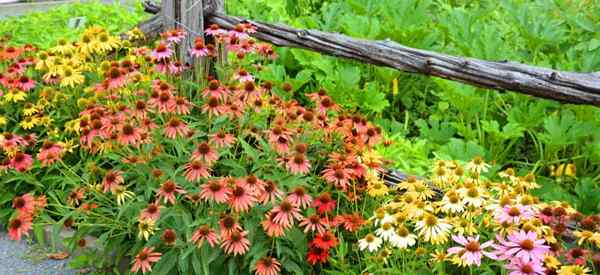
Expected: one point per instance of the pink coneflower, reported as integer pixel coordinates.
(314, 223)
(175, 127)
(215, 190)
(238, 32)
(174, 36)
(195, 170)
(215, 30)
(324, 203)
(270, 193)
(514, 214)
(222, 139)
(235, 243)
(10, 141)
(162, 51)
(234, 109)
(266, 50)
(267, 266)
(281, 145)
(299, 197)
(25, 204)
(50, 152)
(129, 135)
(243, 76)
(271, 228)
(116, 78)
(140, 109)
(325, 104)
(145, 259)
(241, 199)
(199, 49)
(338, 175)
(521, 244)
(19, 226)
(21, 162)
(168, 190)
(182, 105)
(25, 83)
(285, 213)
(298, 164)
(176, 68)
(151, 212)
(471, 251)
(228, 224)
(212, 106)
(205, 152)
(112, 180)
(545, 215)
(205, 233)
(214, 89)
(165, 102)
(519, 266)
(577, 256)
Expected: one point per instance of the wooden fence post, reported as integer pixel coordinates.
(187, 15)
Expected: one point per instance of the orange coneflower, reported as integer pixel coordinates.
(214, 89)
(112, 180)
(182, 105)
(285, 213)
(50, 152)
(19, 226)
(270, 193)
(267, 266)
(314, 223)
(151, 212)
(298, 164)
(205, 233)
(168, 190)
(145, 259)
(235, 243)
(21, 162)
(75, 197)
(25, 204)
(129, 134)
(195, 170)
(228, 224)
(338, 175)
(271, 228)
(165, 102)
(213, 106)
(215, 190)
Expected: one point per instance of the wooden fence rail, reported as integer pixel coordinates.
(569, 87)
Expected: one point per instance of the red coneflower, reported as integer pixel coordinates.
(222, 139)
(151, 212)
(298, 164)
(21, 162)
(577, 256)
(50, 152)
(324, 203)
(285, 213)
(316, 254)
(299, 197)
(195, 170)
(168, 190)
(235, 243)
(175, 127)
(241, 199)
(112, 180)
(267, 266)
(205, 152)
(145, 259)
(25, 204)
(271, 228)
(215, 190)
(169, 237)
(205, 233)
(129, 134)
(19, 226)
(353, 222)
(338, 175)
(314, 223)
(325, 240)
(269, 193)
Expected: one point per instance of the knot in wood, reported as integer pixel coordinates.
(302, 33)
(553, 76)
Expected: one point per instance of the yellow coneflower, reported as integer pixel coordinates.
(528, 181)
(568, 170)
(551, 262)
(573, 270)
(473, 196)
(122, 194)
(508, 173)
(433, 229)
(146, 228)
(438, 256)
(29, 122)
(477, 166)
(371, 158)
(14, 96)
(73, 126)
(377, 189)
(422, 190)
(451, 203)
(463, 226)
(440, 177)
(135, 34)
(107, 42)
(62, 46)
(3, 120)
(71, 78)
(87, 43)
(43, 61)
(583, 236)
(68, 145)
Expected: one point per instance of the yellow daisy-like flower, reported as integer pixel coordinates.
(14, 96)
(377, 189)
(551, 262)
(3, 120)
(422, 190)
(463, 226)
(71, 77)
(433, 229)
(371, 158)
(68, 145)
(573, 270)
(477, 166)
(29, 122)
(146, 228)
(43, 61)
(568, 170)
(122, 194)
(107, 42)
(438, 256)
(73, 126)
(62, 47)
(451, 203)
(135, 34)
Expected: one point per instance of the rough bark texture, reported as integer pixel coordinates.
(569, 87)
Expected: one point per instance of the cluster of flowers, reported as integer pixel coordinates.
(133, 115)
(495, 220)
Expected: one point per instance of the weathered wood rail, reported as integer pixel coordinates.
(563, 86)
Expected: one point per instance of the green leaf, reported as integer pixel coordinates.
(166, 264)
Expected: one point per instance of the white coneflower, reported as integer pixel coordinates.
(386, 231)
(452, 203)
(473, 196)
(477, 166)
(381, 216)
(433, 229)
(370, 242)
(403, 238)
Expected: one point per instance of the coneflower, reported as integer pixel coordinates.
(168, 190)
(152, 211)
(222, 139)
(271, 228)
(215, 190)
(19, 226)
(175, 127)
(195, 170)
(235, 243)
(205, 152)
(314, 223)
(241, 199)
(300, 197)
(285, 213)
(144, 259)
(267, 266)
(205, 233)
(298, 164)
(162, 51)
(112, 179)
